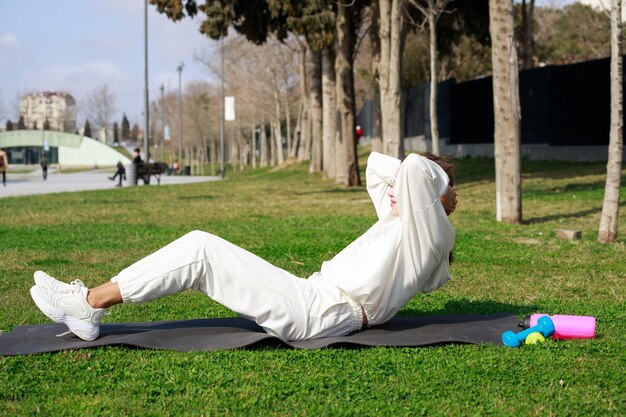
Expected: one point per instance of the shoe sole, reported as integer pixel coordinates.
(85, 331)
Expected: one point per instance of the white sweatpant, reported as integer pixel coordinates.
(286, 306)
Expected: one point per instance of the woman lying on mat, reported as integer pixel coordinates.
(406, 251)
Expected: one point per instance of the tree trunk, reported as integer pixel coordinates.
(434, 120)
(213, 156)
(188, 160)
(316, 112)
(377, 141)
(233, 156)
(329, 107)
(506, 113)
(202, 159)
(610, 206)
(263, 146)
(304, 150)
(391, 45)
(253, 146)
(272, 139)
(288, 124)
(527, 38)
(280, 158)
(307, 126)
(297, 133)
(348, 164)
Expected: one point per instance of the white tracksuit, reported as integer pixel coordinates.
(380, 271)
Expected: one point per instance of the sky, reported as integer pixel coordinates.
(77, 46)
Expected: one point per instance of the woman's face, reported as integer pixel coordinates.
(448, 200)
(394, 206)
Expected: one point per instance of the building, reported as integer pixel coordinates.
(25, 147)
(58, 108)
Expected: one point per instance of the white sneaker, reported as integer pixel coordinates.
(70, 307)
(46, 281)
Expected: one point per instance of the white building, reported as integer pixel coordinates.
(25, 147)
(58, 108)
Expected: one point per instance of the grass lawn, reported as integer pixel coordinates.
(296, 220)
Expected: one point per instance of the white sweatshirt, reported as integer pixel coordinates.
(398, 256)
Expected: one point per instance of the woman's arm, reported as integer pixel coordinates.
(380, 177)
(427, 235)
(420, 184)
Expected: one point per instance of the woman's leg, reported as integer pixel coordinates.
(288, 307)
(105, 295)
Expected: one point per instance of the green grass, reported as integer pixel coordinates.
(296, 220)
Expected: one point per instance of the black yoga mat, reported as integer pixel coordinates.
(233, 333)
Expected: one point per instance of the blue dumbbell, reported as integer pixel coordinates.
(544, 325)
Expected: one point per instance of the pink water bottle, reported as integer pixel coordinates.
(568, 327)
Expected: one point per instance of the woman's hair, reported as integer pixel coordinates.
(444, 162)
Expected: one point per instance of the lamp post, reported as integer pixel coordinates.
(222, 166)
(179, 68)
(146, 103)
(162, 88)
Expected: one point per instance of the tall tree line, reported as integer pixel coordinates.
(314, 118)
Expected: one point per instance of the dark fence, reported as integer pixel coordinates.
(565, 105)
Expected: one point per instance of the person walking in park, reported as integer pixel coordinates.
(44, 165)
(120, 172)
(405, 252)
(4, 164)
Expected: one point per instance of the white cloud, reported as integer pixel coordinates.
(9, 40)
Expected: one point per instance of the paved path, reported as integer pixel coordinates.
(32, 183)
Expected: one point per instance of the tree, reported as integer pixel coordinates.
(9, 125)
(573, 34)
(125, 128)
(610, 206)
(347, 165)
(316, 22)
(116, 134)
(20, 123)
(506, 113)
(255, 23)
(329, 108)
(463, 44)
(316, 111)
(392, 29)
(199, 127)
(528, 9)
(431, 11)
(101, 106)
(87, 129)
(303, 132)
(46, 124)
(135, 132)
(278, 17)
(374, 84)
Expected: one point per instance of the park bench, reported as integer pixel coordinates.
(146, 169)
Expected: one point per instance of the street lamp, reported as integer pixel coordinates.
(179, 68)
(222, 152)
(147, 103)
(162, 88)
